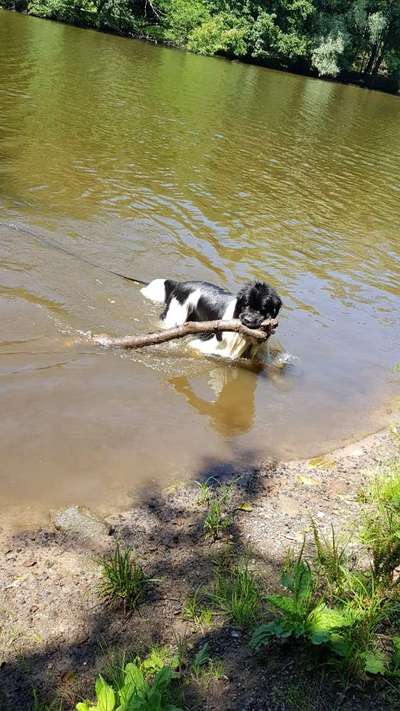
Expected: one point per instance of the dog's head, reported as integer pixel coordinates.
(256, 302)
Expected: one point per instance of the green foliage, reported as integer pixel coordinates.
(327, 604)
(218, 518)
(76, 12)
(204, 668)
(325, 56)
(381, 525)
(197, 611)
(331, 560)
(181, 17)
(329, 37)
(144, 686)
(123, 580)
(221, 34)
(205, 493)
(236, 594)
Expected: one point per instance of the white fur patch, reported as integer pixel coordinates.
(232, 345)
(155, 291)
(177, 313)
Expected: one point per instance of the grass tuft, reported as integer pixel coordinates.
(218, 518)
(197, 611)
(236, 594)
(204, 669)
(331, 559)
(123, 579)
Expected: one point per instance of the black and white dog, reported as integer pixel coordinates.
(201, 301)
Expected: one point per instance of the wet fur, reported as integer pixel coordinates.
(202, 301)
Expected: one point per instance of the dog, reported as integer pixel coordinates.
(201, 301)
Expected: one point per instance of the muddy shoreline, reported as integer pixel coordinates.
(56, 633)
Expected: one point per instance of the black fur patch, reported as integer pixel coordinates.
(255, 302)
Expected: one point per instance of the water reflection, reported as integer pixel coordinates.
(228, 400)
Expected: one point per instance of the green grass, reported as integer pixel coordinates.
(205, 493)
(350, 612)
(123, 579)
(197, 610)
(384, 486)
(218, 518)
(236, 595)
(204, 669)
(381, 520)
(330, 558)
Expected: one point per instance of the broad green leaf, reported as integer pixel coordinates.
(374, 662)
(202, 656)
(298, 579)
(340, 645)
(84, 706)
(155, 661)
(303, 582)
(262, 635)
(105, 695)
(322, 620)
(283, 602)
(321, 637)
(163, 678)
(134, 676)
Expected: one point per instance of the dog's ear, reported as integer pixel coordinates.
(276, 304)
(242, 299)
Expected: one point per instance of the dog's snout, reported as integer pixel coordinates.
(251, 320)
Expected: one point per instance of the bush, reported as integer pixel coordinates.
(77, 12)
(221, 34)
(181, 17)
(325, 57)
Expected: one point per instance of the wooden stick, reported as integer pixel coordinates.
(191, 328)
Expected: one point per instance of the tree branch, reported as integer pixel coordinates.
(191, 328)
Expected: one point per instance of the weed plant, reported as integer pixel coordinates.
(351, 613)
(123, 580)
(146, 685)
(236, 594)
(218, 519)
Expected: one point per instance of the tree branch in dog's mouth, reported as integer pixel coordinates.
(191, 328)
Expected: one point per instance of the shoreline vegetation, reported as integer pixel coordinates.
(356, 41)
(218, 595)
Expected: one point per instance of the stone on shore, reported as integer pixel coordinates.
(80, 521)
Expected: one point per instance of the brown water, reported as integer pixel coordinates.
(159, 163)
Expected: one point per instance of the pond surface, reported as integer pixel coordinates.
(158, 163)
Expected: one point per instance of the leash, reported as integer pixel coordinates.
(55, 245)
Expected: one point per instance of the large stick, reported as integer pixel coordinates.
(189, 329)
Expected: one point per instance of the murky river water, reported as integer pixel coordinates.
(155, 162)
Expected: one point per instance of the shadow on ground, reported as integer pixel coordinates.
(58, 634)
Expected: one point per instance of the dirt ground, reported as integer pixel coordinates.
(56, 633)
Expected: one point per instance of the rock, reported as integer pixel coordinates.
(78, 520)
